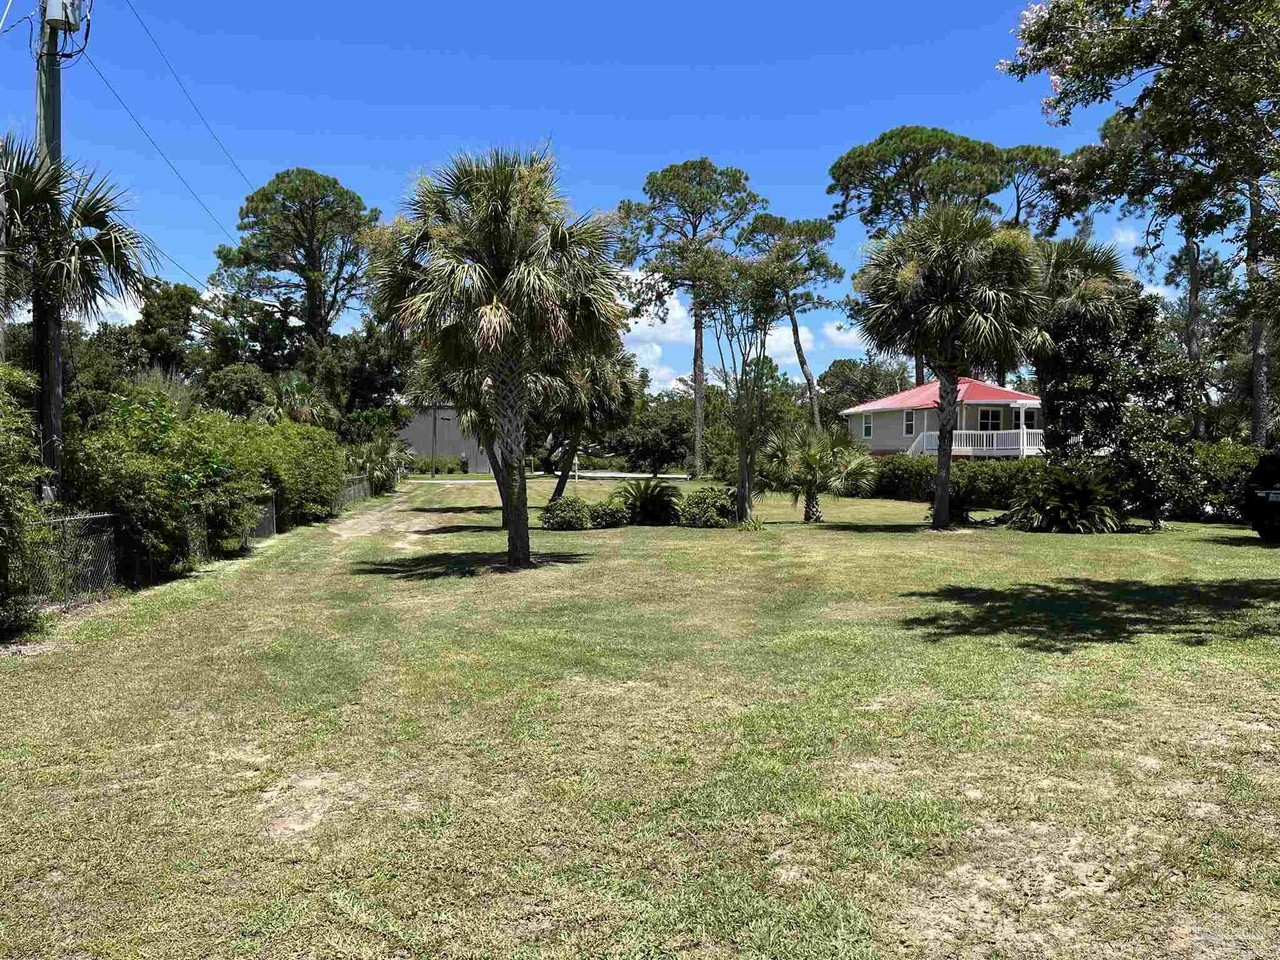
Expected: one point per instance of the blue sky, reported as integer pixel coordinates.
(377, 94)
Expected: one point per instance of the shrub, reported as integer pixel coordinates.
(381, 460)
(993, 484)
(903, 477)
(1211, 483)
(608, 513)
(715, 507)
(567, 513)
(305, 468)
(19, 471)
(650, 503)
(158, 472)
(1061, 501)
(443, 464)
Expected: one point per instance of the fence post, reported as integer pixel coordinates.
(66, 569)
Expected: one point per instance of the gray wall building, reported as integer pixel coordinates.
(450, 439)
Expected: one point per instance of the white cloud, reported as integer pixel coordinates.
(844, 335)
(116, 311)
(649, 356)
(782, 348)
(1124, 236)
(1160, 290)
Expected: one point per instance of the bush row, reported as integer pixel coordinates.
(1210, 487)
(654, 503)
(442, 464)
(158, 470)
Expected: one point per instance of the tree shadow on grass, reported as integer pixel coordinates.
(1243, 540)
(462, 508)
(459, 528)
(462, 563)
(1059, 616)
(853, 526)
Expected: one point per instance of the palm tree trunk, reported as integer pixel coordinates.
(919, 370)
(1258, 321)
(566, 465)
(812, 509)
(804, 364)
(947, 394)
(46, 324)
(508, 387)
(699, 391)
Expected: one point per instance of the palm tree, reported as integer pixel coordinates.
(601, 396)
(293, 397)
(960, 291)
(807, 461)
(493, 272)
(67, 248)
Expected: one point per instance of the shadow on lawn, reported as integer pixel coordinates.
(459, 528)
(462, 508)
(1243, 540)
(463, 563)
(853, 526)
(1059, 616)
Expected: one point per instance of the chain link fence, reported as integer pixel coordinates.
(353, 488)
(75, 559)
(71, 559)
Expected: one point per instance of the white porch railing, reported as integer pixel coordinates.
(985, 443)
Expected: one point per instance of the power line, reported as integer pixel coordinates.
(194, 279)
(163, 156)
(183, 87)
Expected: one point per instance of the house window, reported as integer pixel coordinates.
(989, 419)
(1017, 418)
(866, 426)
(1032, 418)
(908, 423)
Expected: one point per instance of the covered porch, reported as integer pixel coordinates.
(990, 430)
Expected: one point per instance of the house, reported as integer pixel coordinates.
(436, 431)
(993, 422)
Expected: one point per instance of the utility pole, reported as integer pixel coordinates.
(57, 17)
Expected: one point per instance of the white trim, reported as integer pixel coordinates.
(912, 414)
(868, 427)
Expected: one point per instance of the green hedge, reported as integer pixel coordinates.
(159, 470)
(19, 471)
(982, 484)
(443, 464)
(1212, 480)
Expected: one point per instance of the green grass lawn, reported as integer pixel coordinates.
(861, 740)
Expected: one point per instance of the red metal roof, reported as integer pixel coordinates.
(925, 397)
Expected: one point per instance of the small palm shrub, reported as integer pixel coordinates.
(381, 460)
(713, 507)
(1062, 501)
(650, 503)
(567, 513)
(608, 513)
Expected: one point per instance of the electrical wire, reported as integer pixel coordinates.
(186, 93)
(194, 279)
(163, 156)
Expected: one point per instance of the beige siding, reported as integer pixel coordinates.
(886, 429)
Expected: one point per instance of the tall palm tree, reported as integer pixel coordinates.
(960, 291)
(808, 461)
(492, 270)
(67, 248)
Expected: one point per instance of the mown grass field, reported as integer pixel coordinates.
(864, 740)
